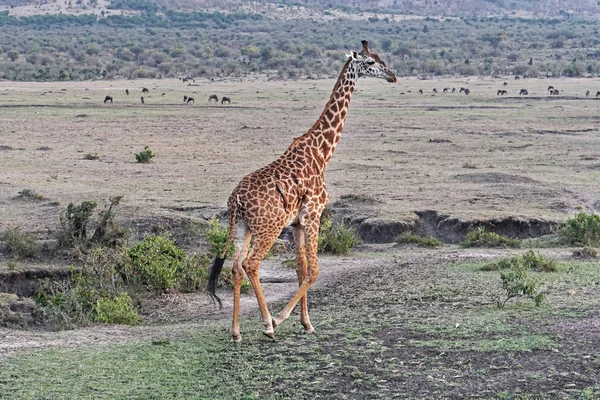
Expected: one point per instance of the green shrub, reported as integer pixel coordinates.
(156, 262)
(74, 223)
(193, 272)
(517, 283)
(68, 305)
(109, 232)
(586, 252)
(338, 240)
(335, 239)
(116, 310)
(583, 229)
(20, 244)
(503, 264)
(409, 237)
(145, 156)
(216, 235)
(538, 262)
(529, 260)
(480, 238)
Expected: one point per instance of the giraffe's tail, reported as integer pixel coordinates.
(217, 267)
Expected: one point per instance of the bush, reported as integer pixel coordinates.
(584, 229)
(338, 240)
(335, 239)
(538, 262)
(116, 310)
(145, 156)
(529, 260)
(75, 226)
(517, 283)
(409, 237)
(216, 235)
(586, 252)
(20, 244)
(28, 194)
(480, 238)
(74, 223)
(109, 232)
(193, 274)
(156, 262)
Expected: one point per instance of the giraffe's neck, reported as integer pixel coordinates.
(322, 138)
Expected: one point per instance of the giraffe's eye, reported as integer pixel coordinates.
(371, 62)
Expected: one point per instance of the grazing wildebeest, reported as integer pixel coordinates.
(453, 90)
(185, 99)
(597, 94)
(446, 90)
(420, 91)
(467, 91)
(587, 93)
(108, 98)
(164, 94)
(225, 100)
(462, 89)
(434, 90)
(517, 77)
(127, 92)
(190, 99)
(523, 91)
(213, 97)
(505, 84)
(550, 88)
(502, 92)
(525, 76)
(145, 90)
(555, 92)
(142, 99)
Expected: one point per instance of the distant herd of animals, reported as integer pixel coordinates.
(186, 99)
(502, 92)
(226, 100)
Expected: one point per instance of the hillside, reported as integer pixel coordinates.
(100, 39)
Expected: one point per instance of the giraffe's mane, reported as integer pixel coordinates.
(338, 83)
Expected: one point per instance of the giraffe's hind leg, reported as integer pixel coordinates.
(241, 244)
(261, 246)
(301, 267)
(311, 233)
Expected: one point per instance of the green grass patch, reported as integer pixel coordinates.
(421, 241)
(525, 343)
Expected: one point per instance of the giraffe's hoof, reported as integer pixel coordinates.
(276, 322)
(236, 338)
(270, 334)
(309, 329)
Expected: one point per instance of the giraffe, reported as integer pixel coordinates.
(290, 191)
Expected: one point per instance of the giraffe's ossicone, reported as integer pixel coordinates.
(290, 191)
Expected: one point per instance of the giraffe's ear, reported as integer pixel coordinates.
(353, 55)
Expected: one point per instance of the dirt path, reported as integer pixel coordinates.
(178, 316)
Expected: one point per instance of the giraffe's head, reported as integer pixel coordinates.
(369, 64)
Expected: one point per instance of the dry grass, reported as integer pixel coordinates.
(535, 155)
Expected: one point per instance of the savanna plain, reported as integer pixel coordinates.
(392, 320)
